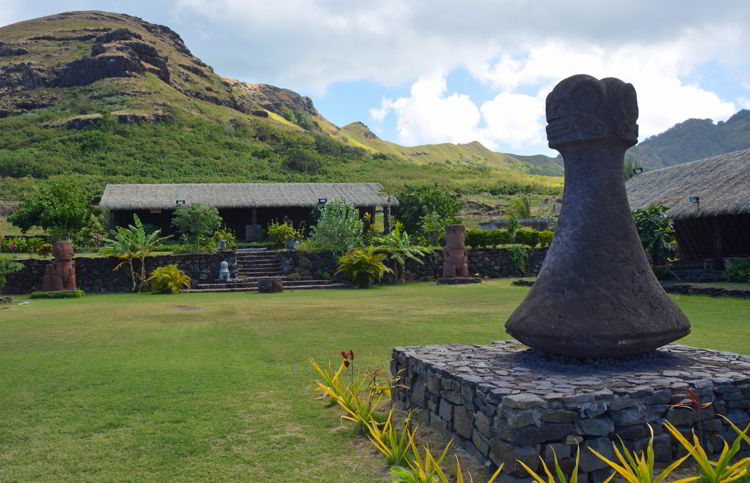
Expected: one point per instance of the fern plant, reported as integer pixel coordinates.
(168, 279)
(364, 266)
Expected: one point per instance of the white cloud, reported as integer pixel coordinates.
(428, 115)
(516, 120)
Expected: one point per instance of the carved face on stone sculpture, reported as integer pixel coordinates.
(63, 250)
(585, 108)
(455, 236)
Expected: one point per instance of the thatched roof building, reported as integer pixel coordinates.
(245, 207)
(242, 195)
(708, 199)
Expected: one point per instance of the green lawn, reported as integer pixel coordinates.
(216, 386)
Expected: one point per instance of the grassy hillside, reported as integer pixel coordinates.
(94, 98)
(693, 139)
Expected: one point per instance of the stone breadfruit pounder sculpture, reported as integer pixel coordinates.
(455, 260)
(60, 273)
(596, 295)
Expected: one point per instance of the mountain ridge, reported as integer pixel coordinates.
(94, 97)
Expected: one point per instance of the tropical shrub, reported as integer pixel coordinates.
(639, 467)
(14, 245)
(521, 207)
(364, 266)
(196, 220)
(339, 228)
(45, 249)
(416, 202)
(281, 233)
(546, 237)
(559, 472)
(399, 248)
(134, 243)
(527, 236)
(394, 443)
(721, 470)
(433, 226)
(739, 270)
(168, 279)
(655, 231)
(6, 268)
(64, 210)
(227, 236)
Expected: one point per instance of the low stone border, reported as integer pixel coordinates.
(505, 402)
(708, 291)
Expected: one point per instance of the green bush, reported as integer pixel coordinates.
(477, 238)
(339, 228)
(168, 279)
(364, 266)
(65, 294)
(227, 235)
(546, 237)
(739, 270)
(498, 237)
(519, 258)
(196, 220)
(282, 233)
(527, 236)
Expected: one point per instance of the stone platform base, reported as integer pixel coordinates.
(458, 280)
(505, 402)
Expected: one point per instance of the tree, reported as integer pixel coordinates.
(399, 248)
(521, 207)
(416, 202)
(339, 228)
(63, 210)
(433, 226)
(134, 243)
(196, 221)
(656, 231)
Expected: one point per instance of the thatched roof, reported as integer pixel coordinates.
(241, 195)
(722, 183)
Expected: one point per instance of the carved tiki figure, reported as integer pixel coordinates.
(596, 295)
(455, 260)
(60, 273)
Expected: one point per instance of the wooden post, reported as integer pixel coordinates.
(254, 212)
(387, 219)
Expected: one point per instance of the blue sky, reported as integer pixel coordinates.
(430, 71)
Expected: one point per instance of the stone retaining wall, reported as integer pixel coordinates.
(95, 275)
(505, 402)
(708, 291)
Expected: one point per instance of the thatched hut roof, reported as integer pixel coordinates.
(241, 195)
(722, 183)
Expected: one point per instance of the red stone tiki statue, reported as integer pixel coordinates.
(60, 274)
(455, 260)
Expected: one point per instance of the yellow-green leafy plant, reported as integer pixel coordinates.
(460, 474)
(331, 383)
(560, 476)
(393, 442)
(422, 467)
(364, 266)
(721, 470)
(168, 279)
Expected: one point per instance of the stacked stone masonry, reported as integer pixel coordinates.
(95, 275)
(505, 402)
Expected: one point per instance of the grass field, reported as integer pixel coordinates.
(217, 386)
